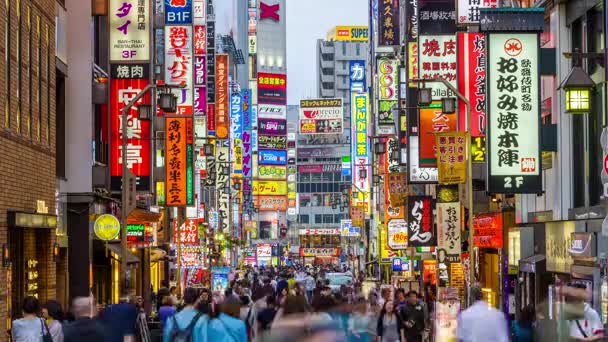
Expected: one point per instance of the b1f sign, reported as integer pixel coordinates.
(178, 12)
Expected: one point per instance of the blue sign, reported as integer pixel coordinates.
(254, 140)
(178, 12)
(236, 132)
(272, 157)
(401, 265)
(357, 76)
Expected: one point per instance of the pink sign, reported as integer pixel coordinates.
(310, 168)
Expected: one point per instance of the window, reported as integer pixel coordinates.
(304, 219)
(358, 48)
(318, 218)
(328, 218)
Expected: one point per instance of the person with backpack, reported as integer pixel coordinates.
(188, 325)
(226, 326)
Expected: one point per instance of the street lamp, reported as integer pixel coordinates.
(448, 105)
(208, 149)
(380, 147)
(167, 102)
(425, 97)
(577, 86)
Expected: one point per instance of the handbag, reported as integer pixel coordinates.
(46, 336)
(578, 324)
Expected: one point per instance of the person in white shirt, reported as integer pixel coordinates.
(589, 327)
(481, 322)
(310, 284)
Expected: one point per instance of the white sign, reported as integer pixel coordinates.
(179, 64)
(467, 11)
(199, 12)
(321, 116)
(269, 111)
(129, 30)
(437, 59)
(320, 231)
(513, 113)
(264, 251)
(417, 173)
(397, 234)
(448, 232)
(388, 78)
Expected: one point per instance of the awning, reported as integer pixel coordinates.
(131, 258)
(142, 215)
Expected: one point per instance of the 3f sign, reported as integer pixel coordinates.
(128, 54)
(517, 181)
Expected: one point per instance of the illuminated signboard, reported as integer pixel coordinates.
(129, 30)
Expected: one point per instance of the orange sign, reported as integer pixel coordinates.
(429, 271)
(270, 203)
(176, 139)
(432, 121)
(487, 230)
(221, 96)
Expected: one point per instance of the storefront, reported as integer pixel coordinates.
(321, 256)
(29, 258)
(320, 246)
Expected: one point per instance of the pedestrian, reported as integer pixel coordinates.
(267, 315)
(205, 304)
(587, 327)
(247, 315)
(374, 312)
(389, 326)
(413, 317)
(53, 314)
(85, 327)
(189, 324)
(121, 320)
(481, 322)
(227, 326)
(30, 328)
(143, 332)
(167, 310)
(358, 323)
(522, 328)
(309, 283)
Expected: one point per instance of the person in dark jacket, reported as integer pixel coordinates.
(389, 327)
(412, 315)
(85, 327)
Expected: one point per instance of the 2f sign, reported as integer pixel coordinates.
(516, 182)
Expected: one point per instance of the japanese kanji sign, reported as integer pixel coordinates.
(420, 221)
(272, 88)
(247, 148)
(199, 12)
(388, 23)
(513, 114)
(236, 133)
(222, 155)
(178, 175)
(397, 234)
(451, 157)
(221, 96)
(322, 116)
(468, 10)
(472, 80)
(432, 121)
(187, 233)
(179, 65)
(360, 148)
(357, 76)
(448, 232)
(438, 60)
(122, 91)
(488, 230)
(270, 203)
(178, 12)
(129, 30)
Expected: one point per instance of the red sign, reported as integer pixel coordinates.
(188, 232)
(488, 230)
(211, 117)
(269, 11)
(472, 80)
(433, 120)
(606, 163)
(122, 91)
(272, 88)
(319, 252)
(429, 271)
(200, 40)
(221, 96)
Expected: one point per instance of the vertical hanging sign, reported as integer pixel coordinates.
(420, 221)
(221, 96)
(513, 113)
(472, 80)
(178, 64)
(176, 165)
(388, 23)
(129, 30)
(448, 232)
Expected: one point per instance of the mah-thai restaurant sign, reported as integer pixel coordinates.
(319, 252)
(275, 142)
(319, 231)
(270, 203)
(272, 157)
(513, 141)
(420, 221)
(488, 230)
(129, 30)
(321, 116)
(272, 127)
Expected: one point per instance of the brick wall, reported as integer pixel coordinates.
(27, 158)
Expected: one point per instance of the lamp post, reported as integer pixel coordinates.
(168, 103)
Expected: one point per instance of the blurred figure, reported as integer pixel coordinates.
(359, 321)
(121, 319)
(589, 326)
(412, 315)
(480, 322)
(31, 327)
(227, 326)
(389, 324)
(205, 305)
(266, 316)
(522, 328)
(186, 325)
(247, 315)
(85, 327)
(309, 283)
(143, 333)
(374, 312)
(166, 310)
(52, 313)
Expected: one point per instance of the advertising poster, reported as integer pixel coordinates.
(438, 59)
(321, 116)
(432, 121)
(420, 221)
(397, 234)
(127, 81)
(388, 23)
(386, 112)
(513, 140)
(129, 30)
(451, 157)
(272, 142)
(272, 88)
(488, 230)
(472, 80)
(221, 96)
(448, 232)
(179, 65)
(219, 278)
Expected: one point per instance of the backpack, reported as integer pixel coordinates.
(185, 335)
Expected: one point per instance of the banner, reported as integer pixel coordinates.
(236, 133)
(272, 157)
(176, 132)
(438, 60)
(272, 127)
(179, 65)
(272, 172)
(451, 155)
(270, 203)
(349, 33)
(187, 233)
(221, 96)
(129, 30)
(247, 146)
(272, 88)
(222, 155)
(420, 221)
(319, 231)
(269, 187)
(513, 143)
(211, 73)
(432, 121)
(270, 111)
(397, 234)
(487, 230)
(388, 23)
(321, 116)
(448, 232)
(472, 80)
(276, 142)
(357, 78)
(361, 148)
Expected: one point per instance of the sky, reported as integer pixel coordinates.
(307, 21)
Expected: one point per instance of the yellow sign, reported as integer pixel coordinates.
(386, 254)
(269, 188)
(349, 33)
(106, 227)
(272, 172)
(452, 157)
